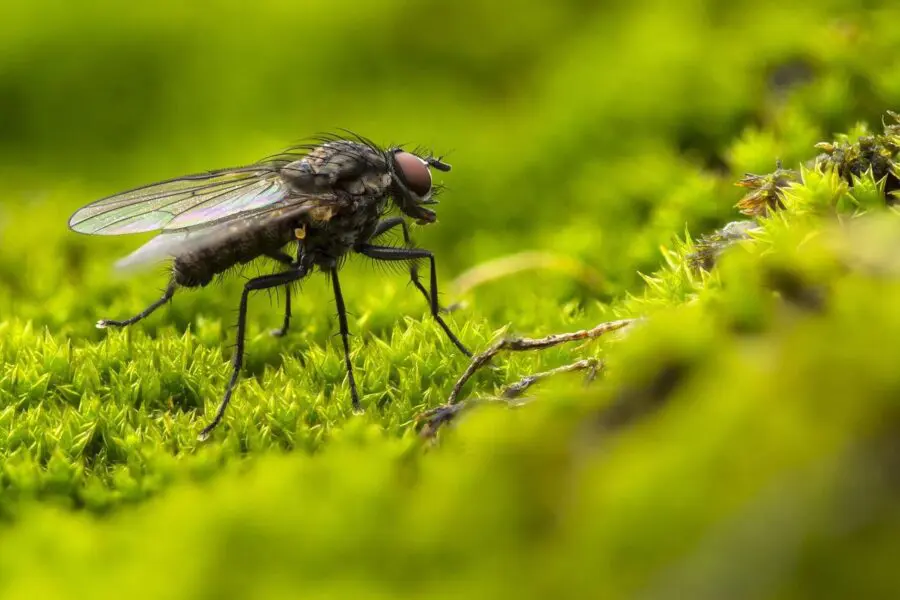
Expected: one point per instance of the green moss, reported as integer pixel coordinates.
(739, 441)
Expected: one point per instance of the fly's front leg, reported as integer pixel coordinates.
(167, 295)
(259, 283)
(387, 253)
(388, 224)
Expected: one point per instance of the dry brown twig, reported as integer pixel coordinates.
(591, 365)
(432, 419)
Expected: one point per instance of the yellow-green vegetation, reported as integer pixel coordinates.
(738, 442)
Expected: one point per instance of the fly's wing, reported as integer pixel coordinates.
(184, 202)
(171, 244)
(163, 246)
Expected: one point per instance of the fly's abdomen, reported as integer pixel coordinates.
(198, 267)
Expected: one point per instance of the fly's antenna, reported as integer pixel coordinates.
(438, 163)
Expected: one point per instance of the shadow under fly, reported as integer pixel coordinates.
(329, 198)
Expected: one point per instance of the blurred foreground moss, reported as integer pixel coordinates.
(749, 464)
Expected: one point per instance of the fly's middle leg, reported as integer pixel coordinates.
(259, 283)
(167, 295)
(345, 335)
(284, 259)
(286, 323)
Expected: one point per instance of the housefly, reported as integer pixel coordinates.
(329, 198)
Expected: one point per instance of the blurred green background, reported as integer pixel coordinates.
(594, 132)
(593, 129)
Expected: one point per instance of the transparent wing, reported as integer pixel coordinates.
(183, 202)
(164, 246)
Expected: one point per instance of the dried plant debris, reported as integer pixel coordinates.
(765, 191)
(709, 247)
(876, 154)
(430, 421)
(591, 365)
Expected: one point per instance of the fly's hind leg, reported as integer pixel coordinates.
(167, 295)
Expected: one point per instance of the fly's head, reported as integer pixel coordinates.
(411, 186)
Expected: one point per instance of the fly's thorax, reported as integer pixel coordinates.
(372, 184)
(329, 235)
(339, 166)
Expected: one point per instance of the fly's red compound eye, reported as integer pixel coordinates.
(415, 173)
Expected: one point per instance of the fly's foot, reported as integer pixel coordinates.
(105, 323)
(280, 332)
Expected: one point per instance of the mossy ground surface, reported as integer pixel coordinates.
(739, 442)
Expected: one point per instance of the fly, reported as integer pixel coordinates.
(329, 198)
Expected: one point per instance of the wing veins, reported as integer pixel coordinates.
(163, 207)
(122, 199)
(146, 193)
(268, 187)
(284, 204)
(193, 177)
